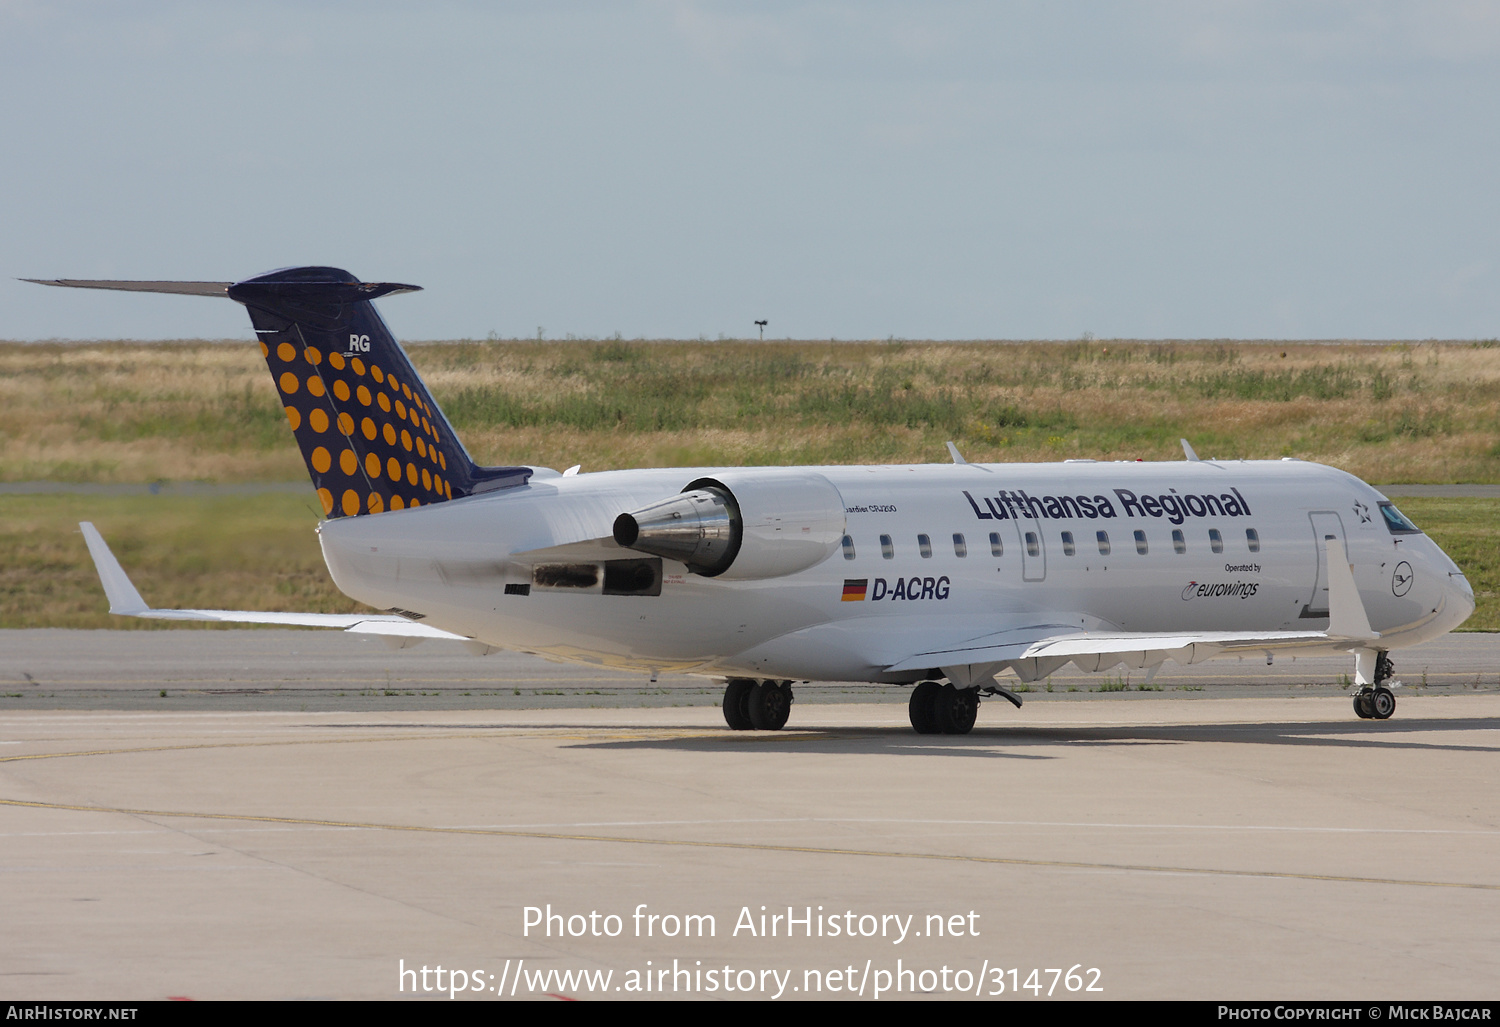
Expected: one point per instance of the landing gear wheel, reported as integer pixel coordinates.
(955, 709)
(921, 708)
(770, 705)
(1363, 706)
(1382, 703)
(737, 703)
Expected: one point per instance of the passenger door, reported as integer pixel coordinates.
(1326, 525)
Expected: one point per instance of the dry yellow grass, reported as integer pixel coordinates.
(1399, 412)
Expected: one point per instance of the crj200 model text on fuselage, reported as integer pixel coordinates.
(943, 576)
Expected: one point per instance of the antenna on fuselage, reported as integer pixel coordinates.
(1187, 451)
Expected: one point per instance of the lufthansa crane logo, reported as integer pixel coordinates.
(1401, 580)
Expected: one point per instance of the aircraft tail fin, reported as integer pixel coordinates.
(371, 434)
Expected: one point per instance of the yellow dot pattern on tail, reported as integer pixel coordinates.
(373, 439)
(368, 407)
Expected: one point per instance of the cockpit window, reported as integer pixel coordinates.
(1396, 521)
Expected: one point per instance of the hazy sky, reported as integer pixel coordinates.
(929, 170)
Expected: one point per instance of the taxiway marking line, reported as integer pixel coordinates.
(750, 846)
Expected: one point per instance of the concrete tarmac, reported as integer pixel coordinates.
(307, 671)
(1264, 844)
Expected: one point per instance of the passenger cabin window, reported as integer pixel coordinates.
(1179, 544)
(1033, 544)
(848, 548)
(1067, 540)
(1252, 539)
(1215, 540)
(1103, 537)
(1140, 543)
(960, 547)
(887, 548)
(924, 546)
(997, 548)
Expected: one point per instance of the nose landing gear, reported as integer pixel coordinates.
(1375, 703)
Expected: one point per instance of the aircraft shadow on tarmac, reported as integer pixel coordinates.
(984, 742)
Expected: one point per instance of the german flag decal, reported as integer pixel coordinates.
(855, 589)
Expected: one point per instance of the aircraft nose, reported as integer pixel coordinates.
(1460, 598)
(1459, 584)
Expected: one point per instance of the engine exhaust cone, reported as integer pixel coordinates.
(700, 529)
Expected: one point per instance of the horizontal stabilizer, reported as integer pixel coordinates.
(126, 601)
(353, 289)
(173, 288)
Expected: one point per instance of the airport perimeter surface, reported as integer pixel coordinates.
(1239, 842)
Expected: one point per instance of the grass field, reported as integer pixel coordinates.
(260, 552)
(257, 552)
(206, 411)
(1427, 412)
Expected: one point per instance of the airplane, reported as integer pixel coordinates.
(938, 576)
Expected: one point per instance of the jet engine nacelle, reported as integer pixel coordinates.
(742, 525)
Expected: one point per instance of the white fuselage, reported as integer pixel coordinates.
(872, 604)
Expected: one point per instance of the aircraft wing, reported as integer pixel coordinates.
(126, 601)
(1052, 645)
(1183, 646)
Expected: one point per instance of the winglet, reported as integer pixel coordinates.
(1346, 614)
(123, 598)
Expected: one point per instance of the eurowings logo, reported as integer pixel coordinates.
(1224, 589)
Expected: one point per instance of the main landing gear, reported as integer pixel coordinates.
(757, 705)
(942, 709)
(1379, 702)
